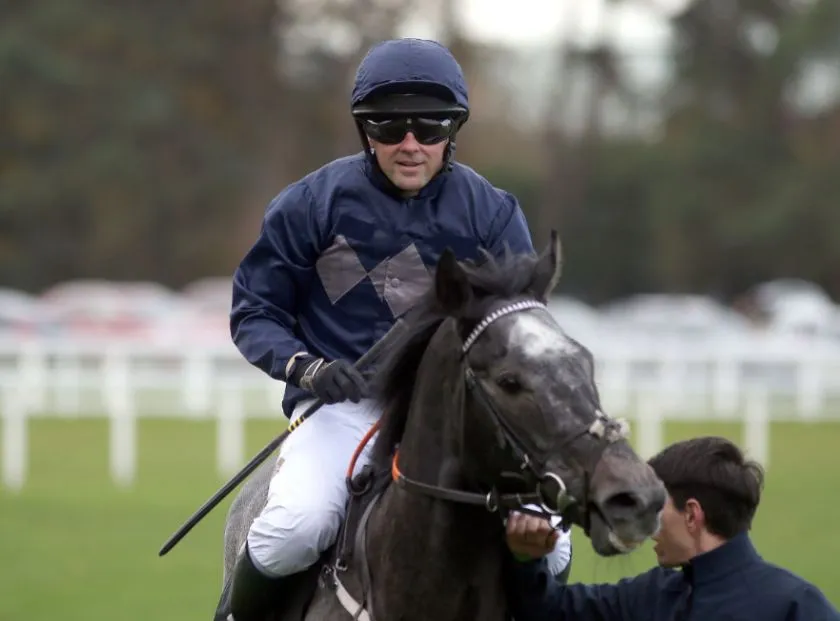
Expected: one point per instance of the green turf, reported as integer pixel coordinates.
(73, 546)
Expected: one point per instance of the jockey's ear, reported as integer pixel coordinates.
(548, 269)
(452, 287)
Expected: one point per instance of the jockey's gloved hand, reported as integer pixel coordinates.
(331, 382)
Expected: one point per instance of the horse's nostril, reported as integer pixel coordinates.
(622, 501)
(631, 505)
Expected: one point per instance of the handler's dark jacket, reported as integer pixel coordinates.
(731, 583)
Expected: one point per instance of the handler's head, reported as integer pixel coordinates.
(713, 494)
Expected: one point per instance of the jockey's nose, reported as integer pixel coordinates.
(409, 143)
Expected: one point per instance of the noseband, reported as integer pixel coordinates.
(604, 428)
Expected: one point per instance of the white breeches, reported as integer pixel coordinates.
(306, 498)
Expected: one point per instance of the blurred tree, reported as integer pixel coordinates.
(736, 188)
(131, 132)
(137, 134)
(734, 127)
(143, 140)
(580, 196)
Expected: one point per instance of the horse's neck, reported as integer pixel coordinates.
(431, 435)
(429, 555)
(430, 559)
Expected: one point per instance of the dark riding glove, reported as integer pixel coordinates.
(331, 382)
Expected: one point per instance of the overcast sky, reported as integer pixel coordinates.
(637, 29)
(538, 23)
(527, 23)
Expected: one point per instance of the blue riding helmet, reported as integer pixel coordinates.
(410, 77)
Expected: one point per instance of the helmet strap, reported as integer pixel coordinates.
(449, 155)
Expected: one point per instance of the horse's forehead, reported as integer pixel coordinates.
(537, 336)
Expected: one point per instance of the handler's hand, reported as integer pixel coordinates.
(530, 537)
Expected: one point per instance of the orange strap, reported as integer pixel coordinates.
(374, 428)
(395, 469)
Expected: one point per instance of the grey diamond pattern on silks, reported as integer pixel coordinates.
(339, 269)
(399, 281)
(406, 280)
(378, 275)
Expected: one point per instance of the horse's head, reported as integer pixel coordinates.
(531, 419)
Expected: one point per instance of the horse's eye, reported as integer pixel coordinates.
(509, 384)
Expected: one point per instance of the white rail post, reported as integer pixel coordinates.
(614, 384)
(651, 420)
(725, 393)
(32, 375)
(123, 418)
(198, 381)
(230, 429)
(809, 387)
(757, 425)
(15, 438)
(68, 381)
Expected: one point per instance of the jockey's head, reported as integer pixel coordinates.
(409, 101)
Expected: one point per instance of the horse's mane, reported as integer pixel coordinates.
(490, 280)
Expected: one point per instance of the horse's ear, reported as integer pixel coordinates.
(548, 269)
(452, 287)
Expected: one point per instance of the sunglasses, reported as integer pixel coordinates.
(393, 131)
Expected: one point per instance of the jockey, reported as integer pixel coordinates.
(340, 255)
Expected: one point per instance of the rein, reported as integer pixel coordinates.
(492, 501)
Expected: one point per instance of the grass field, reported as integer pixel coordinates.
(72, 546)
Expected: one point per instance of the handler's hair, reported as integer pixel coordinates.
(713, 471)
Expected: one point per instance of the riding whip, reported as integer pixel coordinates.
(365, 361)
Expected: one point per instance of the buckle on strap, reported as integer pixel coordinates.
(357, 610)
(491, 501)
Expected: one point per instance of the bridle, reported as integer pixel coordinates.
(604, 428)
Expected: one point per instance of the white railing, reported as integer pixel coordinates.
(748, 378)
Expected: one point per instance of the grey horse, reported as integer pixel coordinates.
(488, 406)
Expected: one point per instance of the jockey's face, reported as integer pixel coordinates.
(408, 164)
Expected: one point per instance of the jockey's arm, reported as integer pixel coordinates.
(272, 279)
(508, 227)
